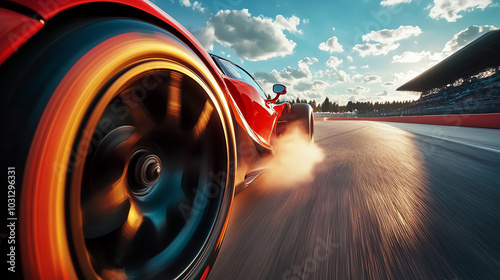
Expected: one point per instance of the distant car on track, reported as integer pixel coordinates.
(126, 140)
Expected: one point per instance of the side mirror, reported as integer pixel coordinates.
(279, 89)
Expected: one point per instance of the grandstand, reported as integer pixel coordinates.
(467, 82)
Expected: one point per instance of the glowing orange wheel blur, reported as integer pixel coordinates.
(129, 173)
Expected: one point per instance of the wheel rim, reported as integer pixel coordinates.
(151, 188)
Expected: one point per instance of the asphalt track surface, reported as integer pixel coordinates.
(389, 201)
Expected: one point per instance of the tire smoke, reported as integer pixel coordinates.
(294, 159)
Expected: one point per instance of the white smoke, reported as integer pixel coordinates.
(294, 159)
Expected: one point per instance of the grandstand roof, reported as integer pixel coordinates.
(477, 56)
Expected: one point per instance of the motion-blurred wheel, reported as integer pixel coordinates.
(300, 114)
(124, 145)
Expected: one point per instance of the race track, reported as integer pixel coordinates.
(389, 201)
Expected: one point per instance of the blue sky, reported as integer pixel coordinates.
(359, 50)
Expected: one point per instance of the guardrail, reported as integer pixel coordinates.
(469, 120)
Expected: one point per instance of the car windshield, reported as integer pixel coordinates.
(234, 71)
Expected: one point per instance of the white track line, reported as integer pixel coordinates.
(446, 139)
(463, 143)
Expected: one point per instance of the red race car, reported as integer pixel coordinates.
(124, 141)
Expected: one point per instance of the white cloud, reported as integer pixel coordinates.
(265, 77)
(404, 76)
(389, 36)
(466, 36)
(289, 24)
(333, 62)
(374, 49)
(252, 38)
(352, 67)
(393, 2)
(299, 79)
(290, 73)
(357, 76)
(350, 58)
(316, 85)
(413, 57)
(449, 9)
(384, 93)
(357, 90)
(410, 57)
(458, 41)
(365, 66)
(370, 79)
(196, 6)
(331, 45)
(388, 84)
(385, 40)
(340, 75)
(306, 61)
(314, 95)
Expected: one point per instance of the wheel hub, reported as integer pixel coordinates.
(145, 171)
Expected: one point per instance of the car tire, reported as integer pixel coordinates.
(123, 145)
(302, 114)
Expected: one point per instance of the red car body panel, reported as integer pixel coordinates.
(279, 108)
(15, 30)
(259, 114)
(49, 8)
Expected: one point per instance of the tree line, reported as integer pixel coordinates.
(361, 107)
